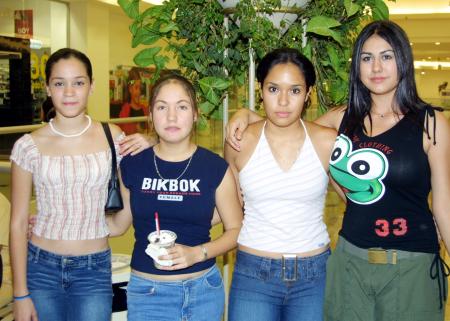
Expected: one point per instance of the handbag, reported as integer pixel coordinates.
(114, 201)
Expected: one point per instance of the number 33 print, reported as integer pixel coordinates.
(383, 227)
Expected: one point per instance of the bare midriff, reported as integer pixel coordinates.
(71, 247)
(279, 256)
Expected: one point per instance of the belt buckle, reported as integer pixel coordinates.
(380, 256)
(287, 258)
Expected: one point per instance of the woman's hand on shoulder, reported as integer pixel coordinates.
(136, 143)
(332, 118)
(238, 124)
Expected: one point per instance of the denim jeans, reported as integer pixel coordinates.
(262, 290)
(70, 288)
(197, 299)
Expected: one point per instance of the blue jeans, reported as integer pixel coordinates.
(197, 299)
(70, 288)
(262, 290)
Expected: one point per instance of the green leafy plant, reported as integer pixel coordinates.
(214, 55)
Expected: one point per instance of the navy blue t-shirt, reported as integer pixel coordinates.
(185, 205)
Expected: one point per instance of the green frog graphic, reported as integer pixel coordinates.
(359, 173)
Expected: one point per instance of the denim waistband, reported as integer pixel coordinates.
(290, 269)
(37, 254)
(213, 269)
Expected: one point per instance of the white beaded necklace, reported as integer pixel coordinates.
(57, 132)
(179, 176)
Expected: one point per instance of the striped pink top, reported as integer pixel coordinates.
(70, 190)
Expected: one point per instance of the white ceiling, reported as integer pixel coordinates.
(426, 23)
(418, 6)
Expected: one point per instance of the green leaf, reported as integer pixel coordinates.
(322, 25)
(206, 107)
(351, 8)
(131, 7)
(380, 11)
(343, 74)
(208, 90)
(214, 82)
(145, 36)
(172, 26)
(307, 50)
(202, 122)
(334, 58)
(161, 61)
(155, 12)
(146, 57)
(134, 27)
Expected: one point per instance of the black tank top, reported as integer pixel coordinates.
(387, 180)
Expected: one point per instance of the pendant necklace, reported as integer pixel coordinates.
(179, 176)
(57, 132)
(382, 114)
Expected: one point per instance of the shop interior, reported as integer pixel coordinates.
(30, 30)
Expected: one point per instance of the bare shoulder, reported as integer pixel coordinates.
(323, 139)
(42, 131)
(332, 118)
(251, 136)
(321, 134)
(115, 130)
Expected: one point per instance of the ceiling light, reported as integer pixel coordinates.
(437, 43)
(422, 72)
(431, 64)
(429, 57)
(411, 44)
(155, 2)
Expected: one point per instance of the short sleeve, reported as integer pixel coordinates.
(222, 167)
(25, 153)
(124, 166)
(217, 164)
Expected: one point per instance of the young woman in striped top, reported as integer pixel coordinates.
(282, 170)
(64, 272)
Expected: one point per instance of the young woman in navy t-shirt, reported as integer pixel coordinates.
(184, 183)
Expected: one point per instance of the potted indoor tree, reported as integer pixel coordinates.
(214, 54)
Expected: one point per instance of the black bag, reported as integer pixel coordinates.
(114, 201)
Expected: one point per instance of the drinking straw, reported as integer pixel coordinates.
(157, 223)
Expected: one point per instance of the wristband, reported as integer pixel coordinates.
(23, 297)
(205, 252)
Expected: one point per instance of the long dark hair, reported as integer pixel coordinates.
(406, 96)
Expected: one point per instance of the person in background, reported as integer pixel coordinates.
(183, 183)
(64, 271)
(392, 150)
(282, 169)
(133, 106)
